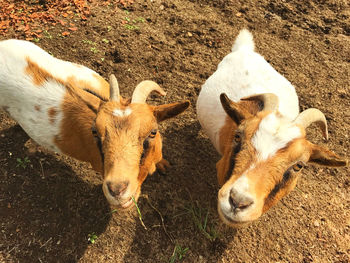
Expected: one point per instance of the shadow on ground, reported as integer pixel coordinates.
(48, 212)
(174, 196)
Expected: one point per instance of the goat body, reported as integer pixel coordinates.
(70, 109)
(33, 90)
(251, 114)
(242, 73)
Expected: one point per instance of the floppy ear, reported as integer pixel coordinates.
(166, 111)
(91, 99)
(91, 102)
(322, 156)
(233, 109)
(222, 167)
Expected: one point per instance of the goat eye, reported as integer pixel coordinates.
(298, 166)
(237, 137)
(94, 131)
(153, 133)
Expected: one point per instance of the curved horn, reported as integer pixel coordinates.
(310, 116)
(143, 89)
(270, 101)
(113, 88)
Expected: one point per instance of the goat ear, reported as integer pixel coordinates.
(236, 113)
(91, 100)
(166, 111)
(322, 156)
(222, 167)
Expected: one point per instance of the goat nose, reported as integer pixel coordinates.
(117, 189)
(239, 202)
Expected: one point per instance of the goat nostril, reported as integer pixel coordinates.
(233, 203)
(240, 203)
(110, 189)
(117, 189)
(245, 205)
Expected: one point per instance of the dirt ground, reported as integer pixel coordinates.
(50, 205)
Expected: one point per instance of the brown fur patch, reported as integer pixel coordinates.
(153, 157)
(225, 144)
(38, 74)
(52, 112)
(226, 134)
(37, 107)
(76, 137)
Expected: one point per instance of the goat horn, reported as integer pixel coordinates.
(113, 88)
(310, 116)
(143, 89)
(269, 100)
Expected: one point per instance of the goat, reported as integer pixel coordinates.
(258, 131)
(70, 109)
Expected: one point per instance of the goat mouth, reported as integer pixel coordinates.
(233, 223)
(127, 204)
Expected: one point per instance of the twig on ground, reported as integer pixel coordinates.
(161, 218)
(42, 169)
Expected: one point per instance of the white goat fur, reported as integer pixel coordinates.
(242, 73)
(19, 95)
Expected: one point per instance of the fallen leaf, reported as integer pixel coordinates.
(65, 33)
